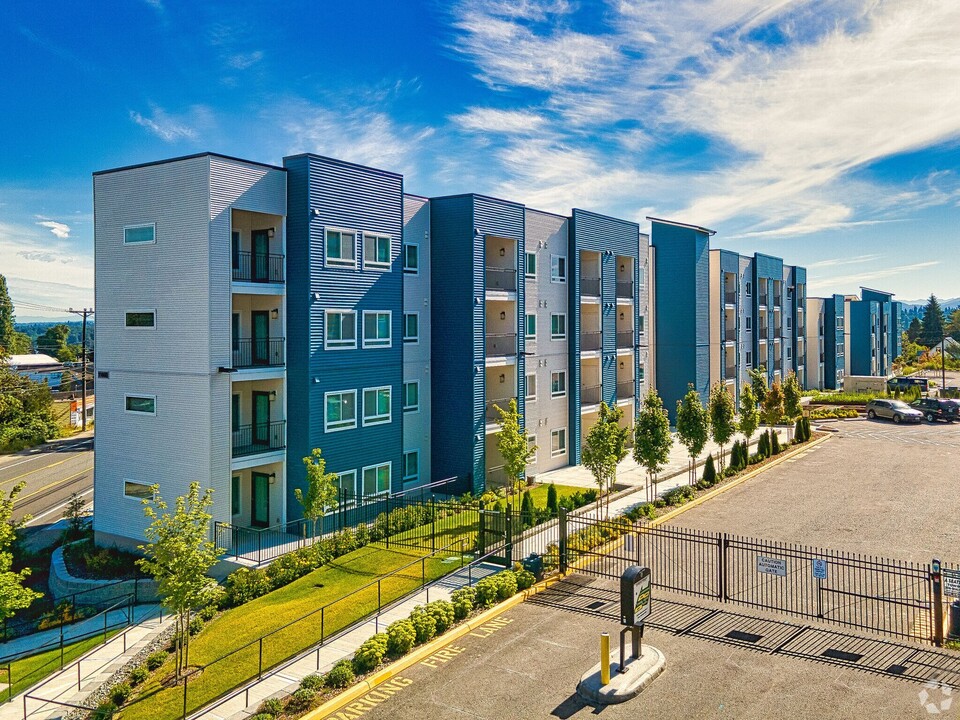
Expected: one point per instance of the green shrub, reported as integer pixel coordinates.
(119, 694)
(755, 458)
(506, 581)
(340, 676)
(207, 613)
(300, 700)
(774, 443)
(443, 614)
(370, 654)
(709, 472)
(262, 716)
(659, 503)
(271, 706)
(553, 504)
(287, 568)
(798, 430)
(462, 600)
(486, 592)
(525, 578)
(424, 624)
(104, 711)
(730, 472)
(138, 675)
(244, 585)
(679, 495)
(807, 433)
(196, 625)
(763, 445)
(156, 659)
(401, 635)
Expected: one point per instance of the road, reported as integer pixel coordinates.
(51, 472)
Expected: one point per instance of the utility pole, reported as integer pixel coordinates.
(943, 364)
(83, 365)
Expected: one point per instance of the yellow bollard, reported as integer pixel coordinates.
(604, 658)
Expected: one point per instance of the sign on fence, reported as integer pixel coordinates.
(951, 583)
(771, 566)
(819, 569)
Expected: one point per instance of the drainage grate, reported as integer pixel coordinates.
(744, 636)
(896, 669)
(835, 654)
(596, 605)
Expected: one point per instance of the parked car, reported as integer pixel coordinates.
(938, 409)
(896, 410)
(904, 383)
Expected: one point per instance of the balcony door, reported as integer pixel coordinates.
(260, 257)
(260, 337)
(261, 417)
(260, 505)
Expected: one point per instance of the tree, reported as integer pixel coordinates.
(651, 436)
(178, 556)
(932, 325)
(791, 396)
(13, 595)
(914, 329)
(693, 427)
(604, 448)
(749, 415)
(322, 490)
(512, 443)
(26, 411)
(54, 342)
(11, 341)
(758, 382)
(953, 326)
(722, 417)
(773, 405)
(76, 515)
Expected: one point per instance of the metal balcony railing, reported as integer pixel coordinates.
(626, 389)
(249, 267)
(730, 297)
(259, 438)
(501, 345)
(493, 415)
(590, 286)
(625, 340)
(625, 290)
(266, 352)
(590, 394)
(590, 341)
(501, 279)
(730, 372)
(777, 300)
(730, 334)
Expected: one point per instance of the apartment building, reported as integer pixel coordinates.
(872, 338)
(834, 347)
(816, 367)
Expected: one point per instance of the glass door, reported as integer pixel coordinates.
(260, 337)
(260, 510)
(260, 257)
(261, 417)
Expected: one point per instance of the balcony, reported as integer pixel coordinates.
(590, 286)
(259, 353)
(730, 297)
(504, 279)
(777, 299)
(591, 341)
(626, 390)
(501, 345)
(778, 330)
(625, 340)
(590, 394)
(625, 290)
(259, 268)
(730, 334)
(497, 477)
(730, 372)
(492, 414)
(259, 438)
(777, 365)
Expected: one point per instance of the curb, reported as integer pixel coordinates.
(425, 651)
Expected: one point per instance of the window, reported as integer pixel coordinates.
(140, 234)
(640, 374)
(531, 269)
(749, 289)
(640, 326)
(341, 329)
(749, 322)
(789, 323)
(411, 328)
(341, 410)
(411, 466)
(558, 269)
(558, 326)
(376, 328)
(145, 404)
(235, 495)
(411, 259)
(640, 275)
(411, 396)
(347, 487)
(558, 383)
(341, 248)
(531, 326)
(558, 442)
(749, 358)
(376, 251)
(532, 443)
(789, 353)
(376, 479)
(376, 406)
(530, 393)
(141, 319)
(138, 491)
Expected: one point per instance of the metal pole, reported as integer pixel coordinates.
(604, 658)
(943, 364)
(936, 582)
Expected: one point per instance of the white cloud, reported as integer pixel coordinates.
(60, 230)
(858, 279)
(243, 61)
(491, 120)
(171, 128)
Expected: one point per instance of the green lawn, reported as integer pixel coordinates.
(239, 626)
(29, 671)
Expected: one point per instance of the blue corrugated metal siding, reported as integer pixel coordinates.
(364, 200)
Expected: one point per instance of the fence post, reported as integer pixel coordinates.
(184, 697)
(481, 533)
(388, 521)
(936, 582)
(61, 642)
(321, 626)
(433, 524)
(508, 536)
(562, 541)
(722, 543)
(260, 661)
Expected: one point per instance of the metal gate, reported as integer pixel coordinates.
(495, 537)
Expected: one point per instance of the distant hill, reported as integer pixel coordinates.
(36, 329)
(914, 304)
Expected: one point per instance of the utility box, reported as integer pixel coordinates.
(634, 596)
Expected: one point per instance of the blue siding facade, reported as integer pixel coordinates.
(326, 193)
(833, 341)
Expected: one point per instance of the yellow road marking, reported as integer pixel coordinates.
(31, 472)
(51, 485)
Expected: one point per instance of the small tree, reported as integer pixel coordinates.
(693, 427)
(773, 405)
(651, 435)
(13, 595)
(178, 556)
(722, 417)
(553, 501)
(791, 396)
(709, 472)
(604, 448)
(758, 382)
(512, 443)
(322, 490)
(749, 415)
(76, 515)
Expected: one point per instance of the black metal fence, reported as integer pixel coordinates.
(259, 438)
(258, 352)
(257, 267)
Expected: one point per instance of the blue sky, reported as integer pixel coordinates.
(823, 131)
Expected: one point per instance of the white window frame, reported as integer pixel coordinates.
(749, 358)
(352, 499)
(526, 327)
(377, 419)
(555, 277)
(140, 226)
(339, 262)
(138, 498)
(150, 311)
(526, 266)
(556, 432)
(410, 478)
(554, 393)
(339, 423)
(641, 373)
(338, 344)
(378, 342)
(377, 264)
(531, 441)
(641, 325)
(554, 336)
(138, 396)
(749, 323)
(411, 339)
(748, 289)
(363, 472)
(407, 270)
(411, 409)
(527, 397)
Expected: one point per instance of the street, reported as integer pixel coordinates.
(51, 472)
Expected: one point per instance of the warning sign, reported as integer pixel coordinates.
(771, 566)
